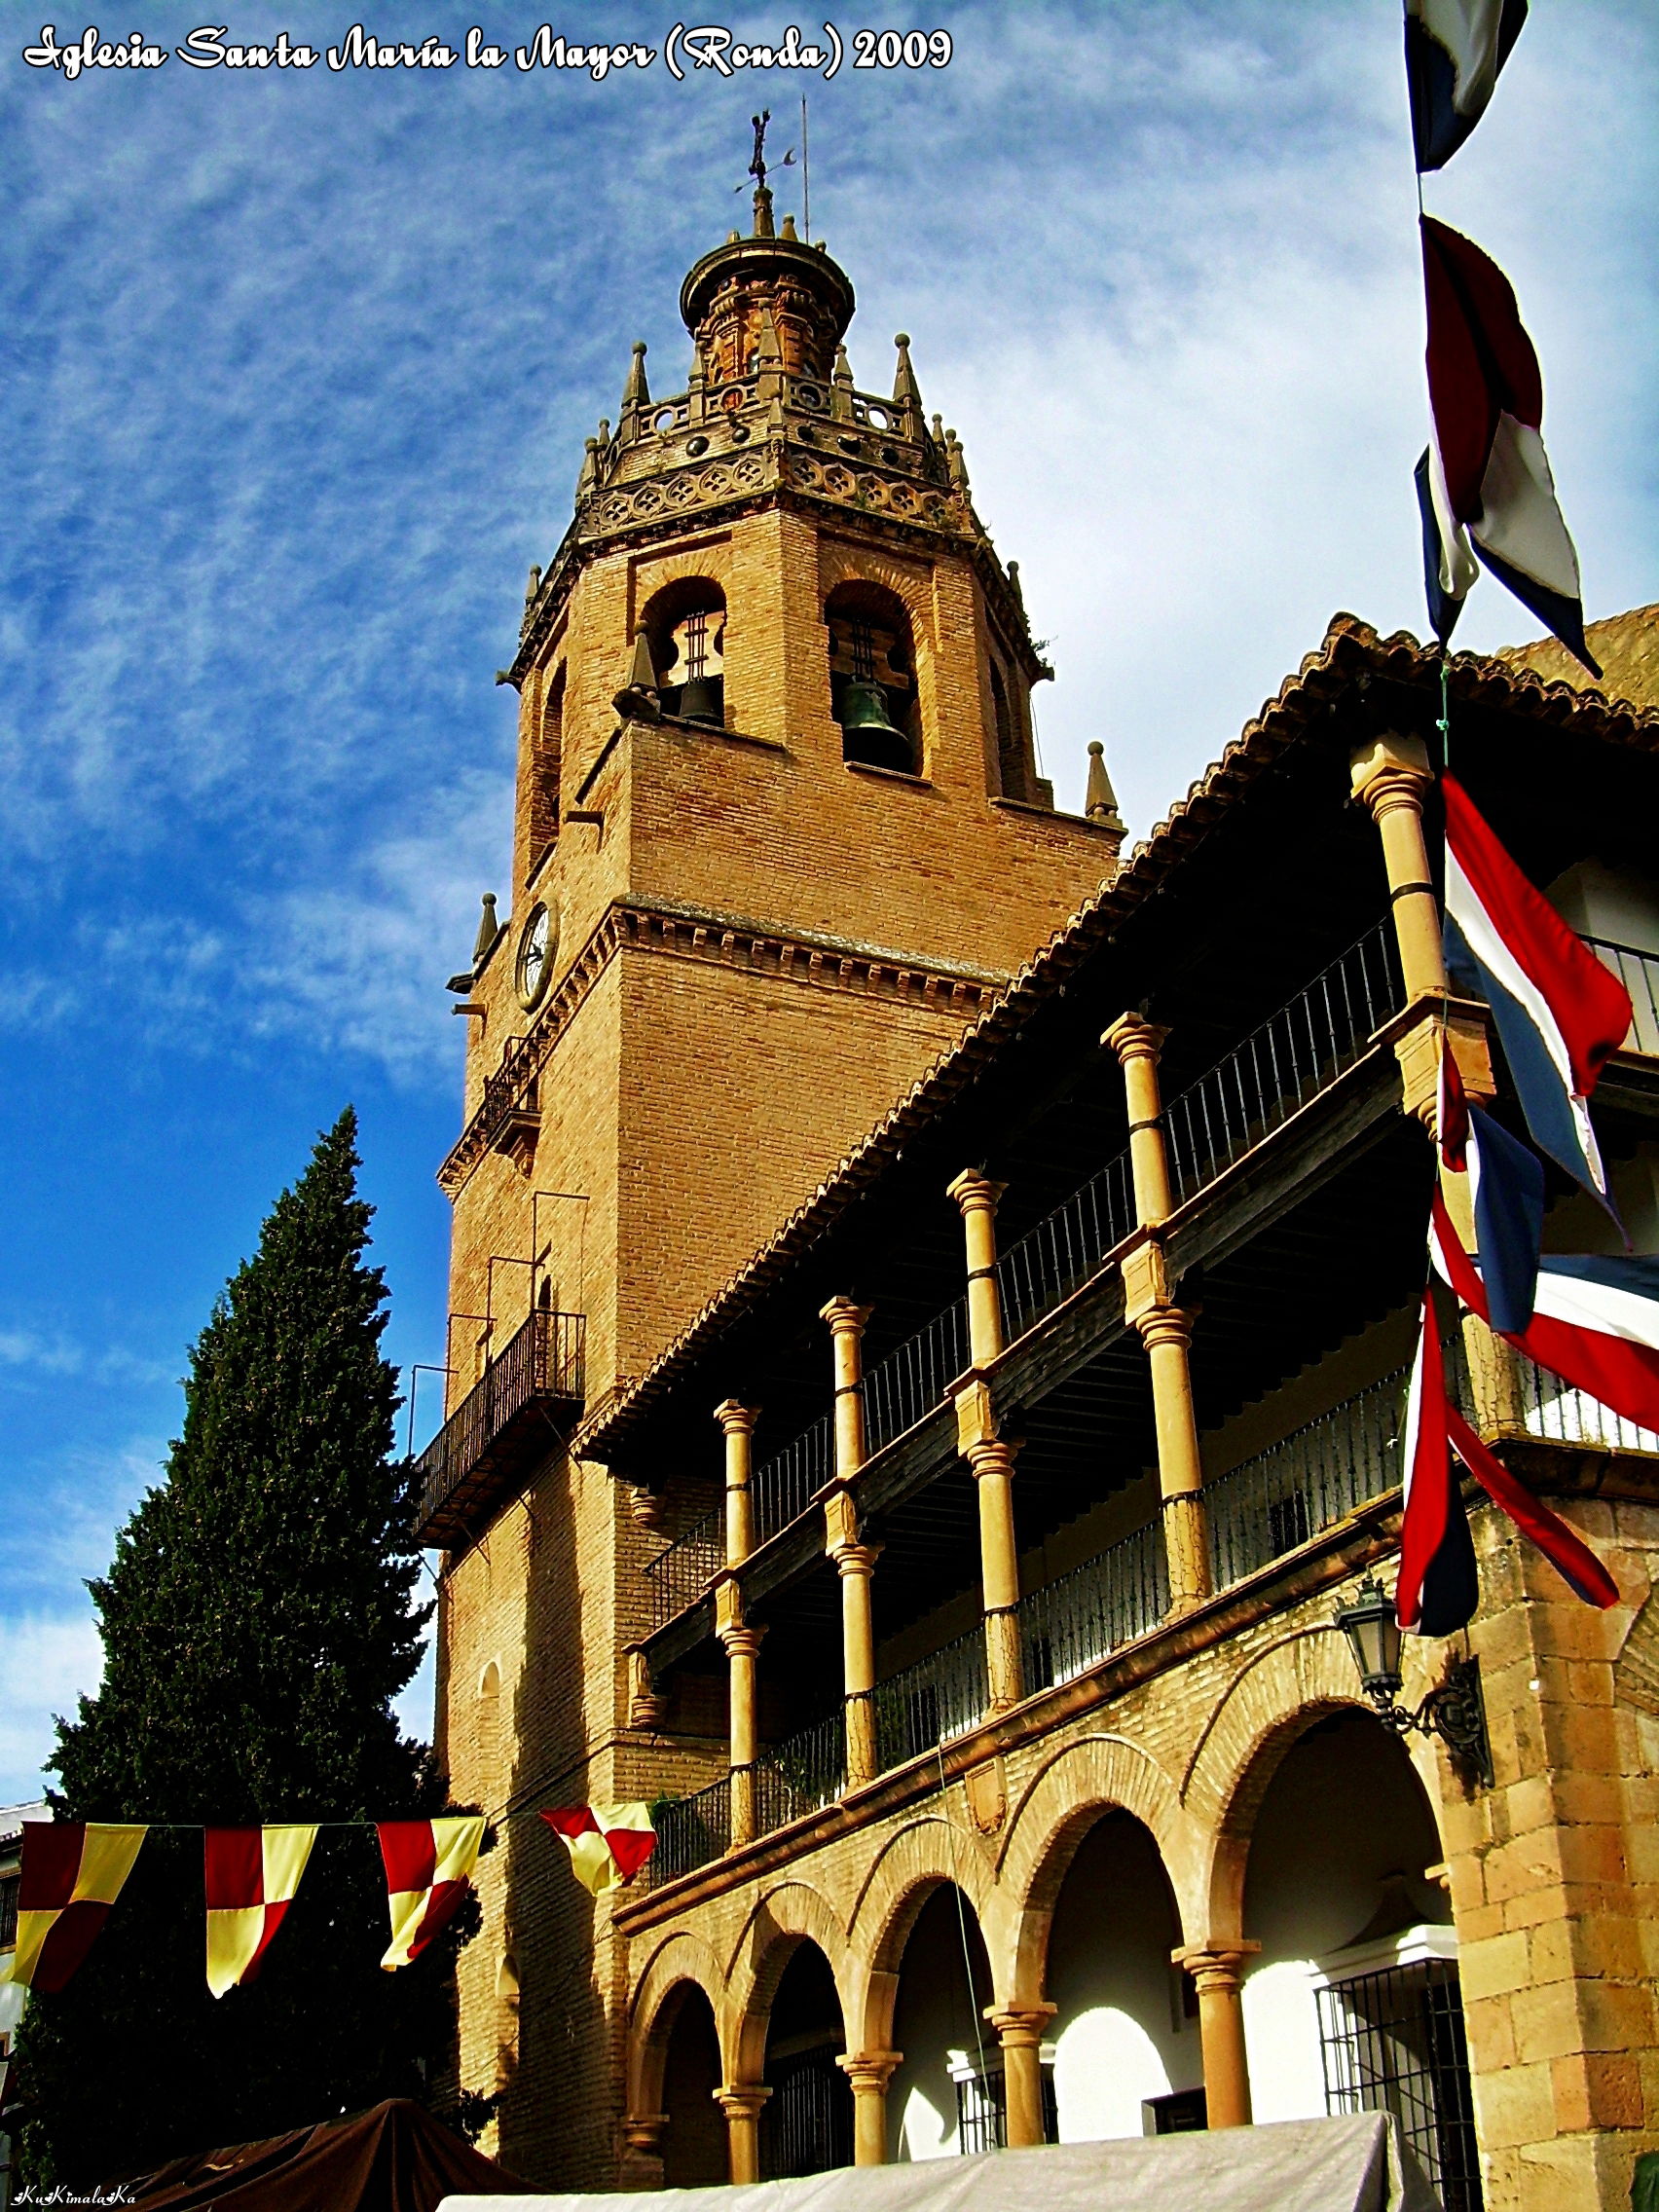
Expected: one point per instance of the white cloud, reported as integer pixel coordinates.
(47, 1662)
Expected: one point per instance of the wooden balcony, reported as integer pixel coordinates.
(526, 1402)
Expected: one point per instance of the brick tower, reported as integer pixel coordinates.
(779, 836)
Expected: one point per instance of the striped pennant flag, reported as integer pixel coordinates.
(72, 1872)
(252, 1874)
(1437, 1589)
(1559, 1011)
(1506, 1188)
(428, 1870)
(607, 1844)
(1454, 50)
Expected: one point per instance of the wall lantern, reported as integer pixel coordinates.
(1454, 1711)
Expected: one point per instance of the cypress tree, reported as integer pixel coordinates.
(257, 1621)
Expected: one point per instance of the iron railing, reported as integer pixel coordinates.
(794, 1778)
(1638, 973)
(690, 1831)
(783, 1486)
(1278, 1067)
(544, 1359)
(909, 1382)
(940, 1697)
(1066, 1246)
(1556, 1412)
(1070, 1624)
(680, 1576)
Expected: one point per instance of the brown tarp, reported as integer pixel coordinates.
(394, 2157)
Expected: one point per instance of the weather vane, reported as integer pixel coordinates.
(757, 164)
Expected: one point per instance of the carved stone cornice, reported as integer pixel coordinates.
(818, 963)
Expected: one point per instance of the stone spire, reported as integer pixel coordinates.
(907, 391)
(1100, 800)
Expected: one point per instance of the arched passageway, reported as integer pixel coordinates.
(1353, 2001)
(807, 2122)
(695, 2140)
(947, 2096)
(1127, 2059)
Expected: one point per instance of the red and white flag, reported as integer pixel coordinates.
(72, 1872)
(428, 1870)
(251, 1875)
(607, 1844)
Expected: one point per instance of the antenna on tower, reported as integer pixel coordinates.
(805, 177)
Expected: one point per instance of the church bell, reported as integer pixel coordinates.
(700, 700)
(867, 732)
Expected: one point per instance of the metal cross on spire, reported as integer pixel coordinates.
(757, 165)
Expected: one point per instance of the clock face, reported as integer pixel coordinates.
(537, 943)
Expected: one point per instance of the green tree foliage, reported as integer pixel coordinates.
(257, 1621)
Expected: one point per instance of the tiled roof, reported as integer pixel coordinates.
(1351, 649)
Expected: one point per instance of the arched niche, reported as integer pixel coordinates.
(874, 690)
(545, 767)
(685, 625)
(806, 2125)
(1127, 2059)
(945, 2097)
(694, 2138)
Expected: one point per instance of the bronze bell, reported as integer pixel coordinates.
(700, 700)
(867, 733)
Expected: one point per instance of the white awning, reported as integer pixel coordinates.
(1350, 2165)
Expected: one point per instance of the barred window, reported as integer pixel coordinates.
(1393, 2042)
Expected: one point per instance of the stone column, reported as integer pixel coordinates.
(1164, 1327)
(742, 2109)
(991, 1459)
(1389, 777)
(855, 1559)
(869, 2074)
(978, 1199)
(742, 1643)
(738, 1426)
(1216, 1972)
(1021, 2029)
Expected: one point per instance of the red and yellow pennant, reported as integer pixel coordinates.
(607, 1844)
(428, 1870)
(252, 1875)
(72, 1872)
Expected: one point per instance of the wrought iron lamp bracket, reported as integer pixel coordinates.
(1455, 1712)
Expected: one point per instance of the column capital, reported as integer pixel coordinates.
(974, 1191)
(846, 1316)
(1164, 1325)
(1020, 2026)
(991, 1456)
(854, 1558)
(1133, 1037)
(647, 1705)
(647, 1506)
(1390, 771)
(1216, 1966)
(869, 2071)
(743, 2102)
(642, 2132)
(736, 1418)
(741, 1640)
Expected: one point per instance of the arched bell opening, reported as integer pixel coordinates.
(872, 677)
(806, 2125)
(695, 2134)
(686, 626)
(946, 2098)
(1352, 2003)
(1127, 2057)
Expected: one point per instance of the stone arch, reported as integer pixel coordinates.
(1269, 1704)
(910, 583)
(780, 1922)
(919, 1859)
(679, 1960)
(1064, 1800)
(684, 621)
(1635, 1672)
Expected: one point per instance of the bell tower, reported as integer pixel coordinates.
(779, 837)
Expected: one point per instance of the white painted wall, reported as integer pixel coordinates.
(1343, 1812)
(934, 2020)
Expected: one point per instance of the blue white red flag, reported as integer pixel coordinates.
(1488, 486)
(1559, 1011)
(1595, 1321)
(1437, 1589)
(1454, 50)
(1506, 1190)
(1566, 1552)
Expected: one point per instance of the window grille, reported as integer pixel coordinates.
(981, 2108)
(9, 1913)
(808, 2119)
(1393, 2042)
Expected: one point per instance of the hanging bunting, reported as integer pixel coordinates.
(1454, 50)
(1487, 483)
(428, 1870)
(251, 1874)
(1567, 1551)
(72, 1872)
(607, 1844)
(1438, 1588)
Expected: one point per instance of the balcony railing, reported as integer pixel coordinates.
(1277, 1068)
(808, 1769)
(501, 1426)
(1070, 1624)
(690, 1831)
(1638, 973)
(1066, 1246)
(940, 1697)
(680, 1576)
(906, 1386)
(1558, 1415)
(782, 1485)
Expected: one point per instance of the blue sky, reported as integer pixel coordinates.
(297, 369)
